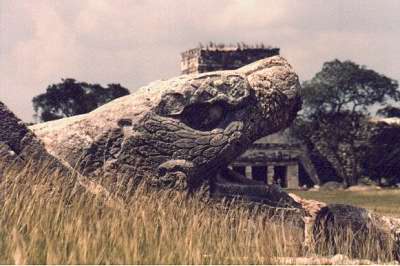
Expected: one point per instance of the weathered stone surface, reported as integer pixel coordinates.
(334, 225)
(200, 121)
(222, 58)
(340, 220)
(332, 185)
(17, 143)
(20, 149)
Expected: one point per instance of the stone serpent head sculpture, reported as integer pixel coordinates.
(180, 132)
(183, 133)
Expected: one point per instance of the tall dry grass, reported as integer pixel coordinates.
(41, 223)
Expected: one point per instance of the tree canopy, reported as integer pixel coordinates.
(341, 86)
(70, 98)
(389, 111)
(334, 123)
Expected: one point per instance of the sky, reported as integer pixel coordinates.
(135, 42)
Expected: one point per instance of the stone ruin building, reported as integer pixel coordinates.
(277, 158)
(219, 57)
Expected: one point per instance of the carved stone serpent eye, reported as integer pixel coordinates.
(203, 116)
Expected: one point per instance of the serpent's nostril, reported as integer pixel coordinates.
(124, 122)
(162, 171)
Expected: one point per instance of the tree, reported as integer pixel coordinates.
(341, 86)
(334, 120)
(382, 156)
(70, 98)
(340, 138)
(389, 111)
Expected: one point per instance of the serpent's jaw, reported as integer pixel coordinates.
(178, 151)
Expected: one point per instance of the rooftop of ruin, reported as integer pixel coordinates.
(221, 47)
(213, 57)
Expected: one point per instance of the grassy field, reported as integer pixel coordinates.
(383, 201)
(43, 225)
(40, 223)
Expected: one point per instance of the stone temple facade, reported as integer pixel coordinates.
(277, 158)
(200, 60)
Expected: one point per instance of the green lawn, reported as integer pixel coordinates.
(385, 201)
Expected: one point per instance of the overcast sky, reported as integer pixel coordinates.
(134, 42)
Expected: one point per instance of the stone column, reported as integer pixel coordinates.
(293, 176)
(270, 174)
(248, 172)
(266, 175)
